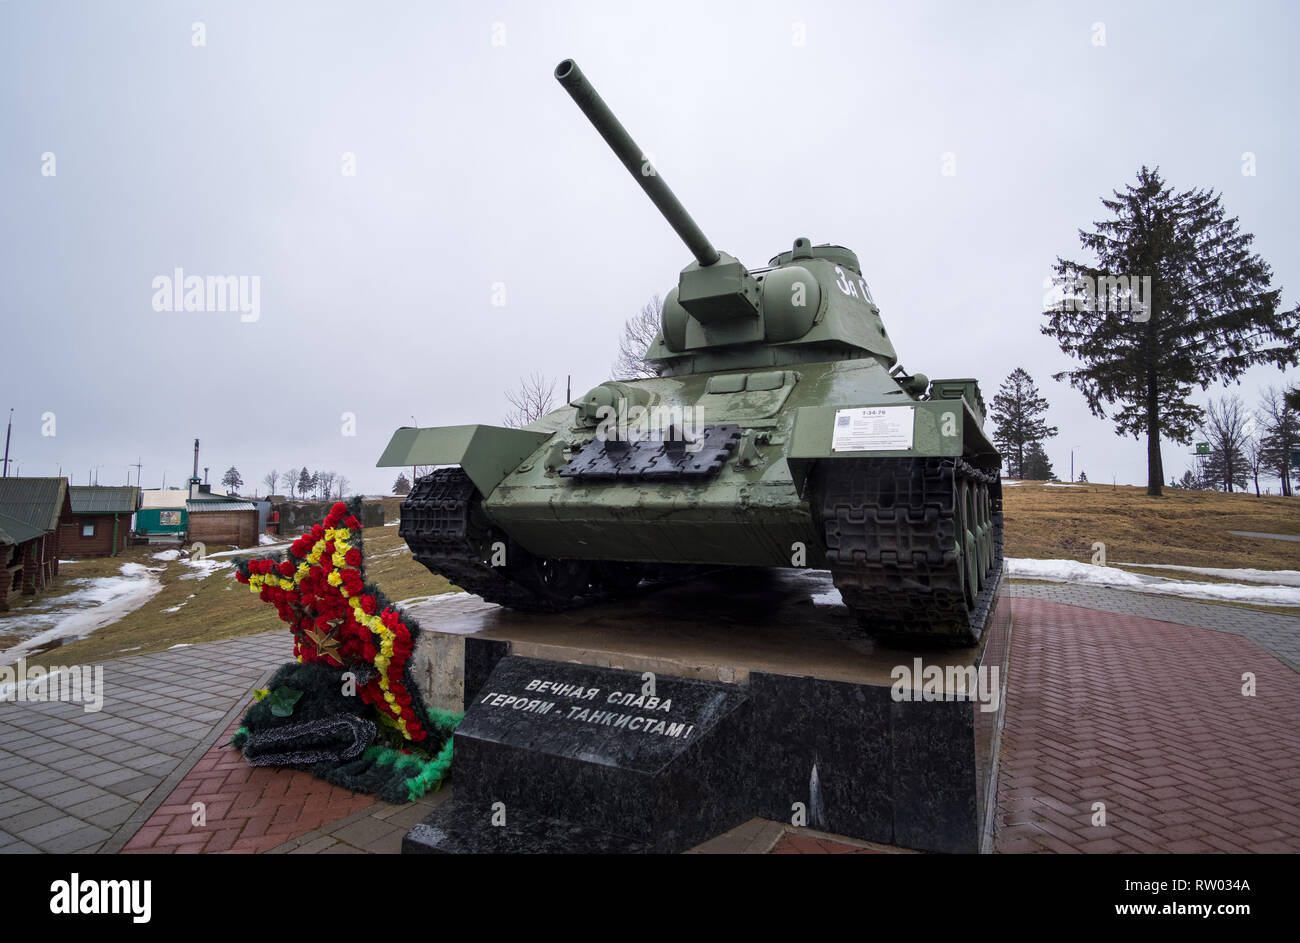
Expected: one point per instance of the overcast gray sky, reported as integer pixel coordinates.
(473, 168)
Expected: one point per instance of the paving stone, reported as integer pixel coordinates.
(315, 846)
(51, 829)
(75, 795)
(18, 806)
(78, 841)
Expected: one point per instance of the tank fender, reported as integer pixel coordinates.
(925, 428)
(487, 453)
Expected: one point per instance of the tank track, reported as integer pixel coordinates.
(891, 528)
(443, 524)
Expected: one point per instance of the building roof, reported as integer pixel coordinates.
(165, 498)
(88, 499)
(219, 505)
(15, 532)
(36, 502)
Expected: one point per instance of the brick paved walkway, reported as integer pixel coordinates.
(1147, 717)
(1277, 633)
(243, 808)
(1115, 697)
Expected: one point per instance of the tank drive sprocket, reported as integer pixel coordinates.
(914, 546)
(443, 523)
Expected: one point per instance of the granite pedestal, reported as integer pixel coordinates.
(657, 722)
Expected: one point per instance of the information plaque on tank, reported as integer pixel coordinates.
(873, 429)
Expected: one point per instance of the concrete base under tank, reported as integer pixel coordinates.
(886, 745)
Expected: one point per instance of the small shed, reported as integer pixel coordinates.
(162, 512)
(31, 512)
(101, 523)
(223, 521)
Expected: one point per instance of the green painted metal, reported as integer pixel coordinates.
(634, 159)
(149, 521)
(487, 453)
(791, 352)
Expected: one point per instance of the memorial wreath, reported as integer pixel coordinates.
(348, 708)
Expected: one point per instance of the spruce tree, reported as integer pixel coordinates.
(1037, 466)
(402, 485)
(1017, 412)
(1208, 312)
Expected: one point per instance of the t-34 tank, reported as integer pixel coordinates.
(781, 431)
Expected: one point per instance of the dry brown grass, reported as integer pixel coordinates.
(220, 608)
(1188, 528)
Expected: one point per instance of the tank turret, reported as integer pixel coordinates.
(811, 302)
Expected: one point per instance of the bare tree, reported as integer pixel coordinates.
(1255, 458)
(326, 481)
(1226, 430)
(639, 332)
(341, 484)
(270, 481)
(291, 481)
(534, 398)
(1279, 434)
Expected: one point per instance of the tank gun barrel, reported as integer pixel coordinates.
(593, 106)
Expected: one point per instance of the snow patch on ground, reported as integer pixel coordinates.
(1087, 574)
(250, 551)
(101, 602)
(1273, 577)
(1060, 484)
(427, 600)
(179, 605)
(267, 540)
(204, 567)
(831, 598)
(1009, 483)
(167, 555)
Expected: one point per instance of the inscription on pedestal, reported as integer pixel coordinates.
(663, 761)
(616, 709)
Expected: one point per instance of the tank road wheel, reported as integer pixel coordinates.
(443, 523)
(907, 548)
(968, 545)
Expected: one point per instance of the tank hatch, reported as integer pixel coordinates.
(837, 255)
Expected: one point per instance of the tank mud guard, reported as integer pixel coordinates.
(487, 453)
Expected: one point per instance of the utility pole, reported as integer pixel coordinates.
(416, 424)
(7, 431)
(137, 467)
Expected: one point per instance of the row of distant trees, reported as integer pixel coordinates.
(302, 484)
(1245, 446)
